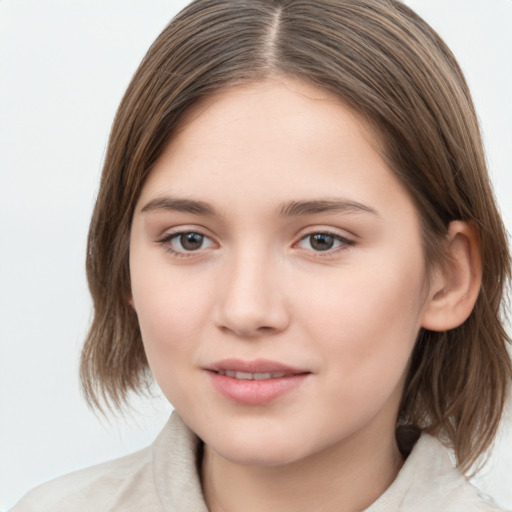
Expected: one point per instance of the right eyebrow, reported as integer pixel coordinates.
(174, 204)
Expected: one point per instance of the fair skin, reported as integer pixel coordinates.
(272, 239)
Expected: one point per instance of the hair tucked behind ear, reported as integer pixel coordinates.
(385, 62)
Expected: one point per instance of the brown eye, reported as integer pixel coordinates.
(187, 242)
(324, 242)
(321, 241)
(190, 241)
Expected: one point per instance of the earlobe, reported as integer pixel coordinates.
(455, 285)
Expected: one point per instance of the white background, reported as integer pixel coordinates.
(63, 68)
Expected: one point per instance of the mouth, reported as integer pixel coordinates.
(257, 382)
(252, 376)
(258, 369)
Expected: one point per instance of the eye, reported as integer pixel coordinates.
(323, 242)
(187, 241)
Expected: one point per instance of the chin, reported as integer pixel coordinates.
(258, 454)
(264, 447)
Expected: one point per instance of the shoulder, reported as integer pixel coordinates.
(101, 487)
(448, 484)
(161, 477)
(430, 481)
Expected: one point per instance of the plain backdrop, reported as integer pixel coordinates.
(63, 68)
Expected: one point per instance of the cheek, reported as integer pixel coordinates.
(367, 325)
(171, 310)
(169, 322)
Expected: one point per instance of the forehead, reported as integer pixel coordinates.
(284, 139)
(272, 110)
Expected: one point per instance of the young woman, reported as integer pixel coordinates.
(295, 235)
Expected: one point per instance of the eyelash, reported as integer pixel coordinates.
(345, 243)
(167, 240)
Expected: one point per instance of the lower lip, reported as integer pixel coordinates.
(255, 392)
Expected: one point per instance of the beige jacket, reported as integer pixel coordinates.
(164, 477)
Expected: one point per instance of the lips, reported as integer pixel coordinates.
(252, 376)
(254, 367)
(256, 382)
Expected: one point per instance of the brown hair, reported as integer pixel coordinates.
(384, 61)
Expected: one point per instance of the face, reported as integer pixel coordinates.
(277, 274)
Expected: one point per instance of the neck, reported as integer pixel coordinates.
(349, 476)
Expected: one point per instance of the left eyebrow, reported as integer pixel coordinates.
(297, 208)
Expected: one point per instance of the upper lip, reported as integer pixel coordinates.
(254, 366)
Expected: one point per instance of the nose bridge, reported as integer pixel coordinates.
(251, 301)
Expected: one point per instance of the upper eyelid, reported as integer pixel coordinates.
(169, 236)
(336, 236)
(326, 232)
(333, 231)
(178, 230)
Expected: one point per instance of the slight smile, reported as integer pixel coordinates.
(257, 382)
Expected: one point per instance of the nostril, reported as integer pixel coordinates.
(247, 332)
(250, 316)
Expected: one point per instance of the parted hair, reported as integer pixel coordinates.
(381, 59)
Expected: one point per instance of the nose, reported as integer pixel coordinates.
(251, 298)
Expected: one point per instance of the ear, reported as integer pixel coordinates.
(455, 285)
(130, 302)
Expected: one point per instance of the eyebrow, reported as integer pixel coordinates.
(298, 208)
(287, 209)
(175, 204)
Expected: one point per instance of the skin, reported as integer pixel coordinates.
(256, 286)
